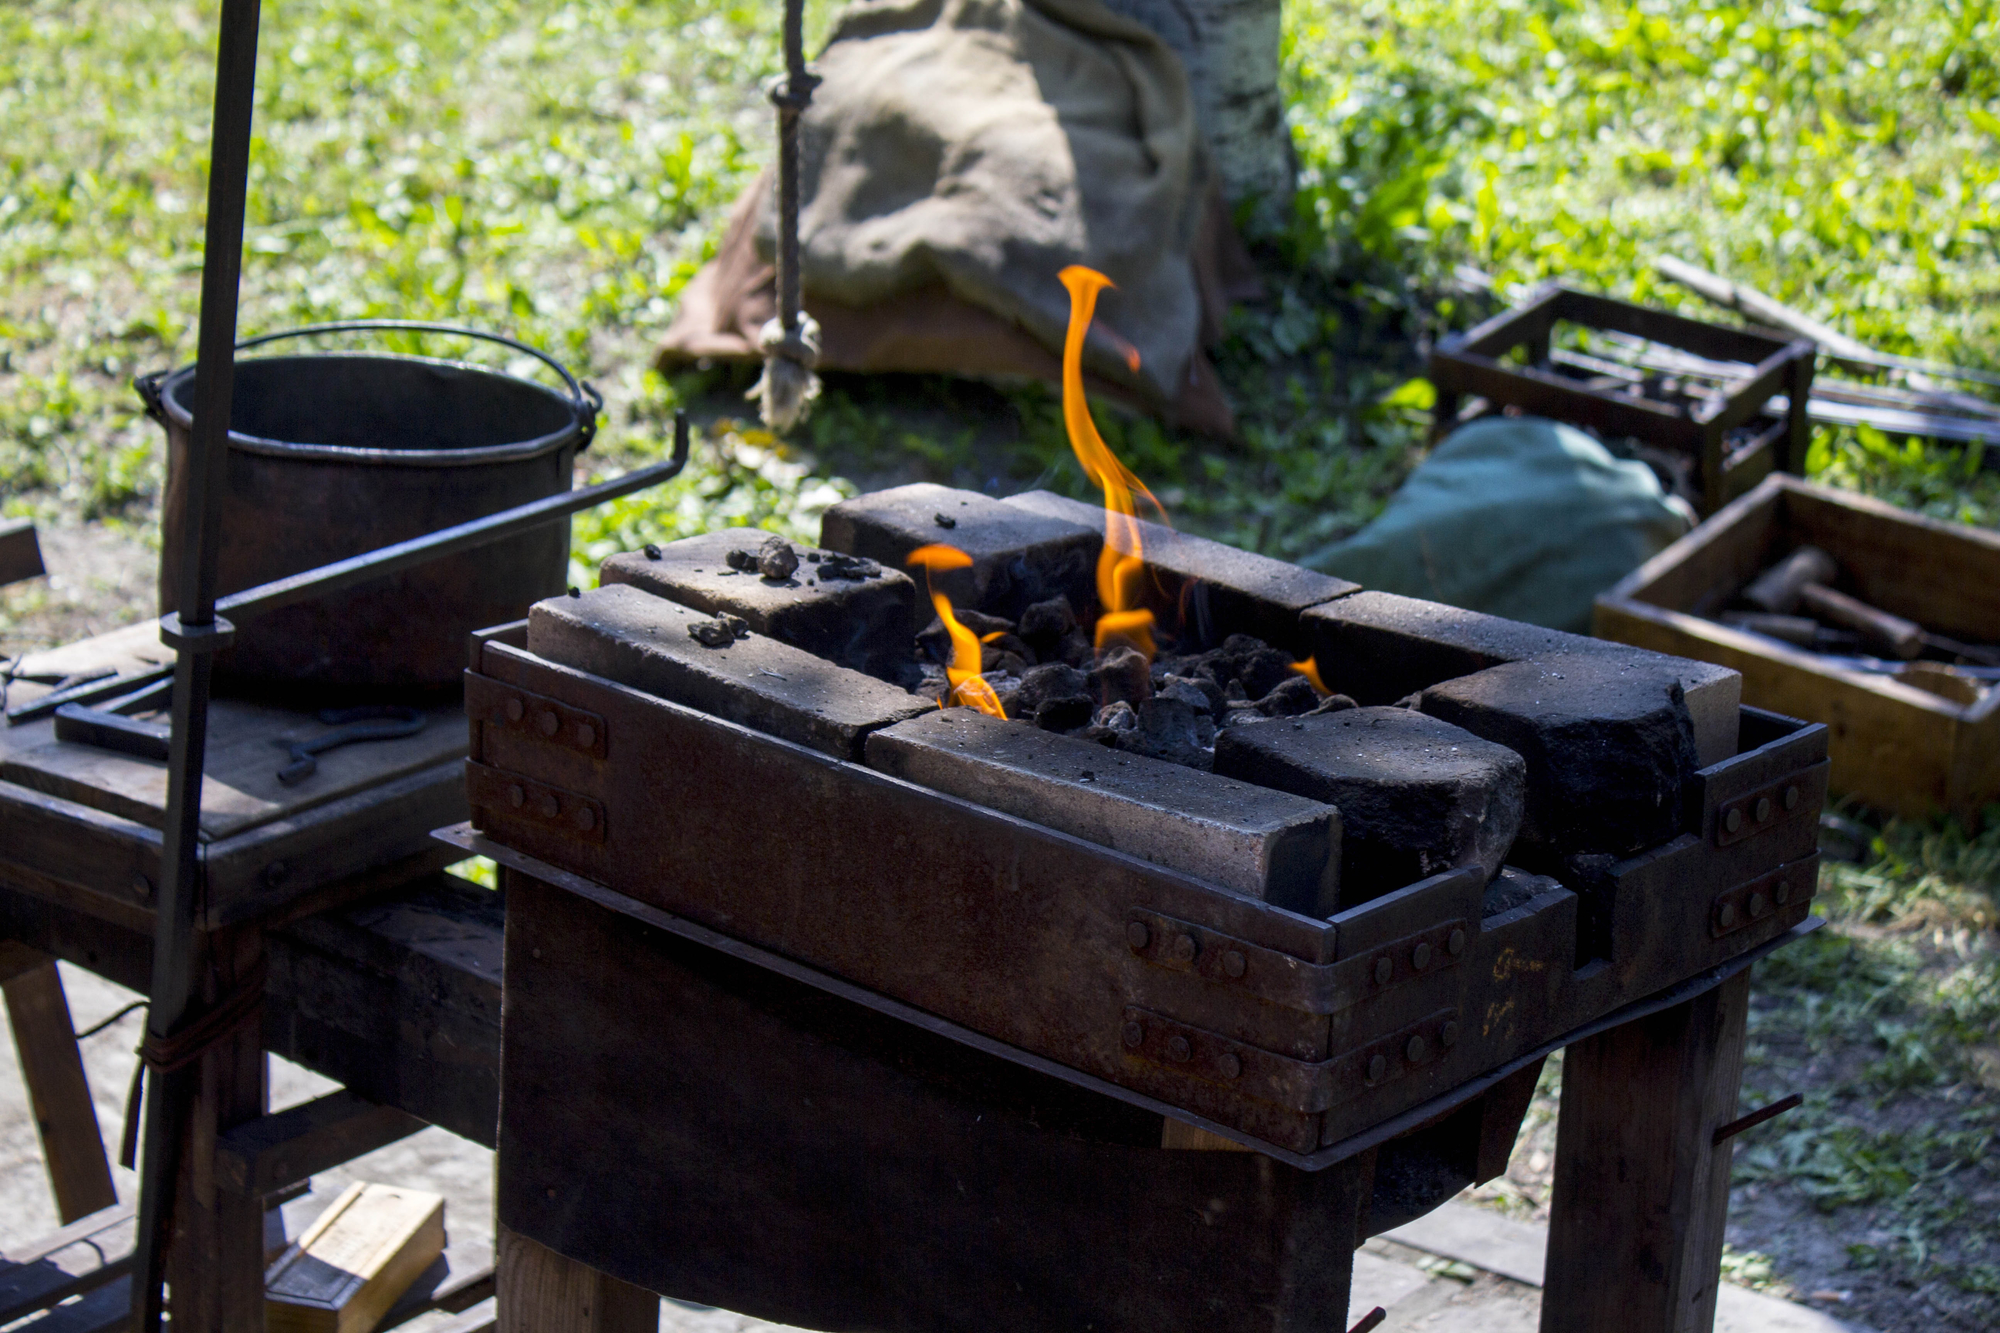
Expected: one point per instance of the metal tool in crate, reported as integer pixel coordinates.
(1728, 434)
(1303, 1037)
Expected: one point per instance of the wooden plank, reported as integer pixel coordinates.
(215, 1258)
(399, 1001)
(483, 1317)
(347, 1268)
(273, 1151)
(1641, 1194)
(540, 1291)
(240, 787)
(58, 1092)
(20, 551)
(95, 854)
(123, 954)
(77, 1259)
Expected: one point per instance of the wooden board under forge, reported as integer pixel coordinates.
(1283, 1030)
(82, 824)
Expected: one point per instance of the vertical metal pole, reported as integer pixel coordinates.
(175, 947)
(792, 101)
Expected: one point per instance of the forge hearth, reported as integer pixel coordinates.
(1283, 906)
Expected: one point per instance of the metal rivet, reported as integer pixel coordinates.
(1791, 798)
(586, 818)
(141, 885)
(1377, 1067)
(516, 797)
(1456, 944)
(1235, 964)
(514, 710)
(274, 873)
(1763, 808)
(1384, 969)
(1726, 917)
(1448, 1034)
(1757, 904)
(1420, 957)
(1230, 1064)
(1135, 1034)
(551, 1191)
(1782, 892)
(1413, 1049)
(1185, 948)
(1137, 935)
(536, 952)
(547, 805)
(549, 723)
(586, 735)
(1178, 1050)
(1733, 820)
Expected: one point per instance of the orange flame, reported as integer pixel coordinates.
(1310, 670)
(967, 685)
(1122, 563)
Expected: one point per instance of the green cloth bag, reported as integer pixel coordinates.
(1515, 516)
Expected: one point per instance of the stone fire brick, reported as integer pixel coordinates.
(643, 641)
(1607, 737)
(1018, 557)
(1262, 843)
(1207, 588)
(867, 624)
(1416, 796)
(1379, 647)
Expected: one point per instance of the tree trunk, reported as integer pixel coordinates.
(1230, 49)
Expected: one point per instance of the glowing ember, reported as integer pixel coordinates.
(968, 687)
(1310, 670)
(1122, 564)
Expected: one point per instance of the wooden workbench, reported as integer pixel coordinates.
(79, 865)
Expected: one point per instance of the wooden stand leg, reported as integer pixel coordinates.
(72, 1146)
(541, 1291)
(1635, 1236)
(215, 1258)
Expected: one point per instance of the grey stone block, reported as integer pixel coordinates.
(1607, 738)
(866, 624)
(1018, 558)
(1379, 647)
(1207, 590)
(1264, 844)
(643, 641)
(1416, 796)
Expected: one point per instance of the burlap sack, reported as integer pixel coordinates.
(957, 156)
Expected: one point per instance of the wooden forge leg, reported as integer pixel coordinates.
(1635, 1235)
(541, 1291)
(215, 1255)
(65, 1117)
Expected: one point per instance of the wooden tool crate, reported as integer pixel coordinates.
(1892, 745)
(1509, 361)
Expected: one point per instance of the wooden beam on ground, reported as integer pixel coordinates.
(20, 551)
(1641, 1191)
(540, 1291)
(65, 1116)
(78, 1259)
(273, 1151)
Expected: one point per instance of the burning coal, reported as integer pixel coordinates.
(967, 686)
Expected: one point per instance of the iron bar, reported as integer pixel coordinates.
(174, 941)
(1724, 1133)
(791, 99)
(266, 597)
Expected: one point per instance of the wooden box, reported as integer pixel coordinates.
(1896, 747)
(1473, 374)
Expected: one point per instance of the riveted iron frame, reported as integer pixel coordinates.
(1288, 1032)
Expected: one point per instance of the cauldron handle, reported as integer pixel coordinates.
(586, 405)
